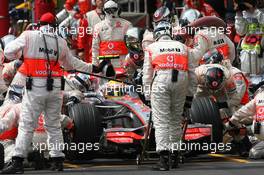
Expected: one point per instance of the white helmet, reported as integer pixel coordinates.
(163, 28)
(111, 9)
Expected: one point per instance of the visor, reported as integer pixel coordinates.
(134, 46)
(111, 10)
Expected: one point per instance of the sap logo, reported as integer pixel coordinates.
(220, 41)
(170, 50)
(49, 51)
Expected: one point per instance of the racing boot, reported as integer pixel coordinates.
(57, 163)
(2, 156)
(175, 159)
(164, 162)
(15, 167)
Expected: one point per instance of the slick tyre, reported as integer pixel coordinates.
(87, 126)
(205, 111)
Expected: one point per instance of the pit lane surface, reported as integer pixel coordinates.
(211, 164)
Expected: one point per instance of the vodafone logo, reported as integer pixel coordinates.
(110, 45)
(214, 83)
(156, 15)
(260, 110)
(136, 56)
(170, 58)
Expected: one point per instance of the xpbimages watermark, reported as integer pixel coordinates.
(67, 31)
(80, 31)
(177, 30)
(208, 147)
(127, 89)
(213, 31)
(80, 147)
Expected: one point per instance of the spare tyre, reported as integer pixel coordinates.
(87, 126)
(204, 110)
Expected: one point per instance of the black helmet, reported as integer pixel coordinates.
(212, 57)
(161, 14)
(214, 78)
(15, 93)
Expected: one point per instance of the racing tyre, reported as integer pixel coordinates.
(2, 156)
(87, 127)
(205, 111)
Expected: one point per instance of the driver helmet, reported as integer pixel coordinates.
(214, 78)
(81, 82)
(212, 57)
(15, 93)
(114, 89)
(133, 40)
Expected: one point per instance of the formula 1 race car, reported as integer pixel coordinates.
(118, 125)
(113, 126)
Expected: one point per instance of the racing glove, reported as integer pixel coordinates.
(100, 67)
(229, 126)
(95, 69)
(66, 122)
